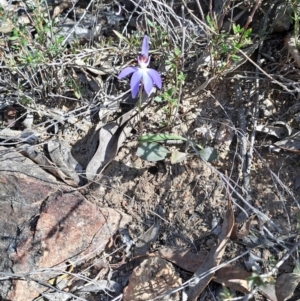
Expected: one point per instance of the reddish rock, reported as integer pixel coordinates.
(45, 223)
(68, 228)
(24, 186)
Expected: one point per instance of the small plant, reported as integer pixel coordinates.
(225, 45)
(161, 37)
(271, 262)
(173, 64)
(172, 103)
(225, 295)
(255, 280)
(176, 79)
(46, 44)
(34, 55)
(259, 280)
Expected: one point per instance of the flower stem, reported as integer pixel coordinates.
(140, 108)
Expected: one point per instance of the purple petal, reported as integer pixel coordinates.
(145, 46)
(156, 78)
(126, 71)
(135, 82)
(147, 81)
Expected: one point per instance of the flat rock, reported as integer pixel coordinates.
(44, 224)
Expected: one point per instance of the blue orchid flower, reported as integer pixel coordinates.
(143, 74)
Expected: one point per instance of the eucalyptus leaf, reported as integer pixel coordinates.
(160, 137)
(111, 137)
(208, 154)
(152, 151)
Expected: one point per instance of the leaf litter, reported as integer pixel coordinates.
(214, 257)
(189, 190)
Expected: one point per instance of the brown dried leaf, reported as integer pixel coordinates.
(144, 241)
(111, 138)
(291, 143)
(6, 26)
(230, 276)
(285, 285)
(214, 257)
(240, 233)
(184, 258)
(233, 277)
(60, 8)
(45, 163)
(60, 154)
(268, 290)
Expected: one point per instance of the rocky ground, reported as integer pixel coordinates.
(88, 211)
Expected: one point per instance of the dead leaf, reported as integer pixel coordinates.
(28, 137)
(286, 285)
(184, 258)
(101, 285)
(60, 8)
(60, 154)
(6, 26)
(230, 276)
(144, 241)
(101, 65)
(242, 232)
(268, 290)
(214, 257)
(291, 143)
(111, 138)
(107, 108)
(233, 277)
(45, 163)
(177, 156)
(279, 129)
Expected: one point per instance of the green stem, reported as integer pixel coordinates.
(139, 104)
(173, 95)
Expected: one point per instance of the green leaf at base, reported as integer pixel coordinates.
(152, 151)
